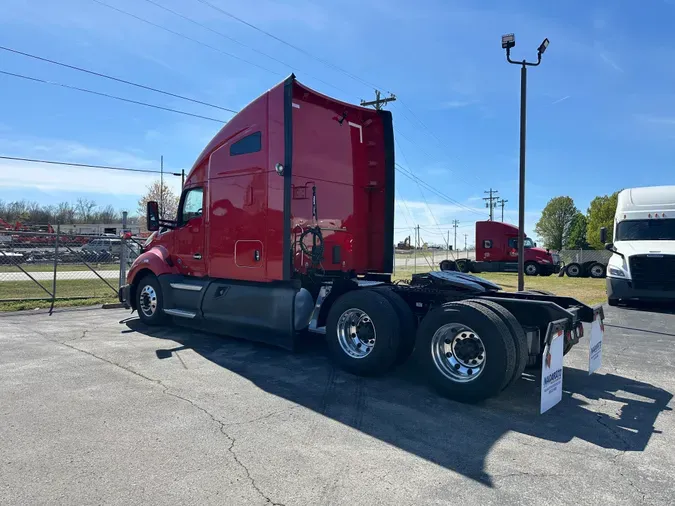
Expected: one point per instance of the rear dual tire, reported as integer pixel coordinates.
(491, 353)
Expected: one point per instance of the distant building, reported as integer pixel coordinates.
(99, 229)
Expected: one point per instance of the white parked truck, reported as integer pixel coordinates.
(642, 266)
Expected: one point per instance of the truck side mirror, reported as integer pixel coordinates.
(609, 247)
(152, 216)
(603, 235)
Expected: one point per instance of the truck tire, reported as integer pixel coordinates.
(573, 270)
(448, 265)
(597, 270)
(407, 322)
(463, 265)
(150, 301)
(455, 340)
(531, 268)
(517, 333)
(363, 333)
(613, 302)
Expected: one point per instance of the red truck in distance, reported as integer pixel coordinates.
(286, 226)
(497, 251)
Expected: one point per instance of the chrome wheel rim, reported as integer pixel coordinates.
(356, 333)
(458, 352)
(596, 271)
(530, 269)
(148, 301)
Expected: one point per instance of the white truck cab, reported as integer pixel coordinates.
(643, 264)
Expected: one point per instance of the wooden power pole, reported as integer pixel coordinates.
(379, 102)
(491, 201)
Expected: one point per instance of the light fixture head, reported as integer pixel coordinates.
(508, 41)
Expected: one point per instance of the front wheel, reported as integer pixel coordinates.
(613, 302)
(531, 268)
(150, 301)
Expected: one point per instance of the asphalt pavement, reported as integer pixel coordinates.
(94, 411)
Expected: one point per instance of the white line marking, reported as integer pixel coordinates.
(360, 130)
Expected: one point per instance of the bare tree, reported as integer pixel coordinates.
(155, 192)
(83, 209)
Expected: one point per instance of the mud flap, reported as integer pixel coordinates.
(597, 335)
(552, 366)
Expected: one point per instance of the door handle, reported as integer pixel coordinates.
(197, 256)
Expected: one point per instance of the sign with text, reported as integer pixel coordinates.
(595, 346)
(552, 373)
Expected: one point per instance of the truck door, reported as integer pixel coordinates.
(189, 235)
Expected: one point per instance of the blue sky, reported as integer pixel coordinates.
(601, 107)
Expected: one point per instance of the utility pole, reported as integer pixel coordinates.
(454, 225)
(501, 202)
(466, 252)
(508, 43)
(417, 235)
(161, 185)
(379, 102)
(491, 201)
(447, 246)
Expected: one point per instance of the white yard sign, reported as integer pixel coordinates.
(595, 346)
(552, 373)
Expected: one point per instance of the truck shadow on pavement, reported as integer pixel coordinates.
(606, 410)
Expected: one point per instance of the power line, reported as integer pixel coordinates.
(106, 167)
(297, 48)
(100, 94)
(196, 41)
(232, 39)
(431, 132)
(413, 177)
(112, 78)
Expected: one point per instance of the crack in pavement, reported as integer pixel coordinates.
(166, 390)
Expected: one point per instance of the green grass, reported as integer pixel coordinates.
(96, 291)
(588, 290)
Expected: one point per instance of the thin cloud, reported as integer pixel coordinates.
(610, 62)
(560, 100)
(457, 104)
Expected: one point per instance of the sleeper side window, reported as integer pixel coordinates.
(487, 244)
(250, 144)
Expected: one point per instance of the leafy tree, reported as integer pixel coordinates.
(601, 214)
(556, 218)
(168, 201)
(577, 235)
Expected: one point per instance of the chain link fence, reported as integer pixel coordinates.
(423, 260)
(56, 266)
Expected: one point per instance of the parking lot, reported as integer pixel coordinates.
(94, 411)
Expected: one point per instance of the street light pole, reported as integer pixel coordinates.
(508, 42)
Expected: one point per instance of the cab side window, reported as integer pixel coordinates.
(513, 243)
(192, 205)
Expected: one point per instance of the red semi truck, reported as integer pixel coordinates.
(497, 251)
(285, 225)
